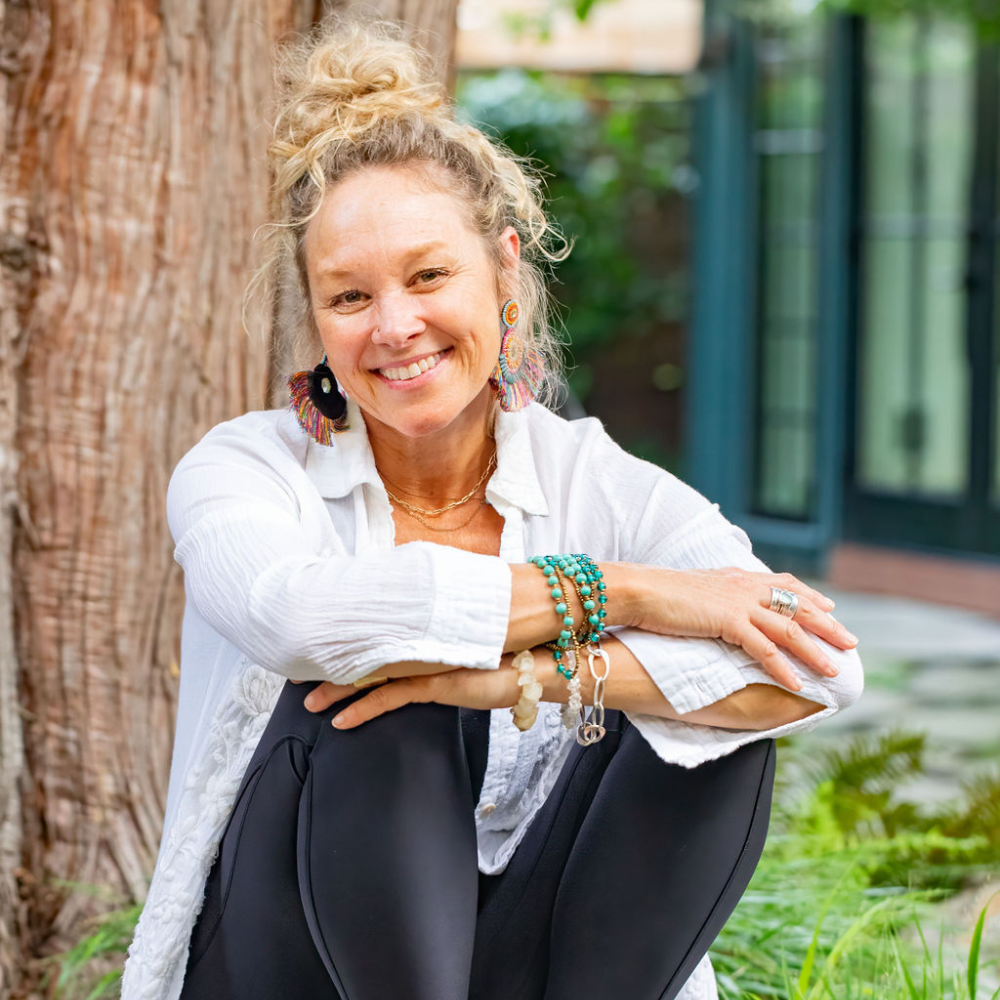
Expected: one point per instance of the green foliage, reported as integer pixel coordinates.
(855, 793)
(615, 151)
(847, 869)
(92, 968)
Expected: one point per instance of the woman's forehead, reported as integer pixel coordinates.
(391, 212)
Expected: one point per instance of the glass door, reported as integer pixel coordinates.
(924, 457)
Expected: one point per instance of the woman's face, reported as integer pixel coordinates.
(404, 295)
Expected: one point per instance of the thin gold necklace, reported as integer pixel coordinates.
(412, 508)
(458, 527)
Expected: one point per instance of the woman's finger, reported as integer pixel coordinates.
(766, 652)
(820, 623)
(385, 698)
(786, 581)
(324, 695)
(789, 634)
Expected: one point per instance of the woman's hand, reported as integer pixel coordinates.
(463, 687)
(732, 604)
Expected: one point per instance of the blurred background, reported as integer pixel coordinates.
(784, 289)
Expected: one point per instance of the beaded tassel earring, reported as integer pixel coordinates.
(319, 407)
(517, 377)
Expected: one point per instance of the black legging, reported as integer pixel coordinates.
(348, 869)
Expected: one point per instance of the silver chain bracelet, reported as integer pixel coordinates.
(590, 732)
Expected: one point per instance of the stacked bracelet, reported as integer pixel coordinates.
(589, 583)
(552, 569)
(578, 570)
(566, 646)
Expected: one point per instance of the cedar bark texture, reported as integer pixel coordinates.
(132, 180)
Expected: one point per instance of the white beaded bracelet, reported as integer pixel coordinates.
(525, 711)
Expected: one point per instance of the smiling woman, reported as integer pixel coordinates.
(387, 531)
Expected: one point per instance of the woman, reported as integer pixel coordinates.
(432, 814)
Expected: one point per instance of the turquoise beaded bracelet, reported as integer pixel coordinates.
(592, 590)
(582, 572)
(553, 568)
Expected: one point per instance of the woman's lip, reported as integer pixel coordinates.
(417, 380)
(412, 361)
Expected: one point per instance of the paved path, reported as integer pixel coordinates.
(928, 668)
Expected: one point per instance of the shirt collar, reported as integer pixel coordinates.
(336, 470)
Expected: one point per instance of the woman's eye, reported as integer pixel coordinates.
(347, 298)
(427, 276)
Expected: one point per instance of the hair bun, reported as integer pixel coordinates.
(361, 74)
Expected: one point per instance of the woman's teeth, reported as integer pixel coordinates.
(412, 371)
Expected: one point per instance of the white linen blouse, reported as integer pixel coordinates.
(291, 571)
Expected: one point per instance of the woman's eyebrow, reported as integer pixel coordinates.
(420, 250)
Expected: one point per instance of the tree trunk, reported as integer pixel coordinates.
(133, 178)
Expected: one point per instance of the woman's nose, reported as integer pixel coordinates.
(398, 321)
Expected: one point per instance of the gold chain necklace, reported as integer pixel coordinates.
(418, 512)
(458, 527)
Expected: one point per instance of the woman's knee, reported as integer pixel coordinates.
(411, 755)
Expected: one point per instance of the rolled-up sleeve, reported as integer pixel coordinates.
(676, 526)
(314, 612)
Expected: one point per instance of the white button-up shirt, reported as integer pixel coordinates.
(291, 571)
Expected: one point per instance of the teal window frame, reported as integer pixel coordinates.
(722, 386)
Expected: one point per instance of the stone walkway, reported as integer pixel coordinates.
(928, 668)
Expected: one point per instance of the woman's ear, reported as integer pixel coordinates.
(510, 244)
(510, 259)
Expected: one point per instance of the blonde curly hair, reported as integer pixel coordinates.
(354, 92)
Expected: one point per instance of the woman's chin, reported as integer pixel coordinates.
(426, 418)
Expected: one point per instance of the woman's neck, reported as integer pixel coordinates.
(436, 468)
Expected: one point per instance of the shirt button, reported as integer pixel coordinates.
(487, 809)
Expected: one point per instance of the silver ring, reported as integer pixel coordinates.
(784, 602)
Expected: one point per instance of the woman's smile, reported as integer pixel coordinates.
(410, 372)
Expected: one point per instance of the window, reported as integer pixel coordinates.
(913, 375)
(788, 145)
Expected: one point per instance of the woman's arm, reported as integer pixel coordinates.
(629, 687)
(699, 604)
(265, 569)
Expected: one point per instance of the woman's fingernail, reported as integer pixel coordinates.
(339, 720)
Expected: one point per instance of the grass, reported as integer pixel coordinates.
(844, 904)
(92, 968)
(851, 878)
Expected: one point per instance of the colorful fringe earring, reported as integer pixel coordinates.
(319, 407)
(518, 375)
